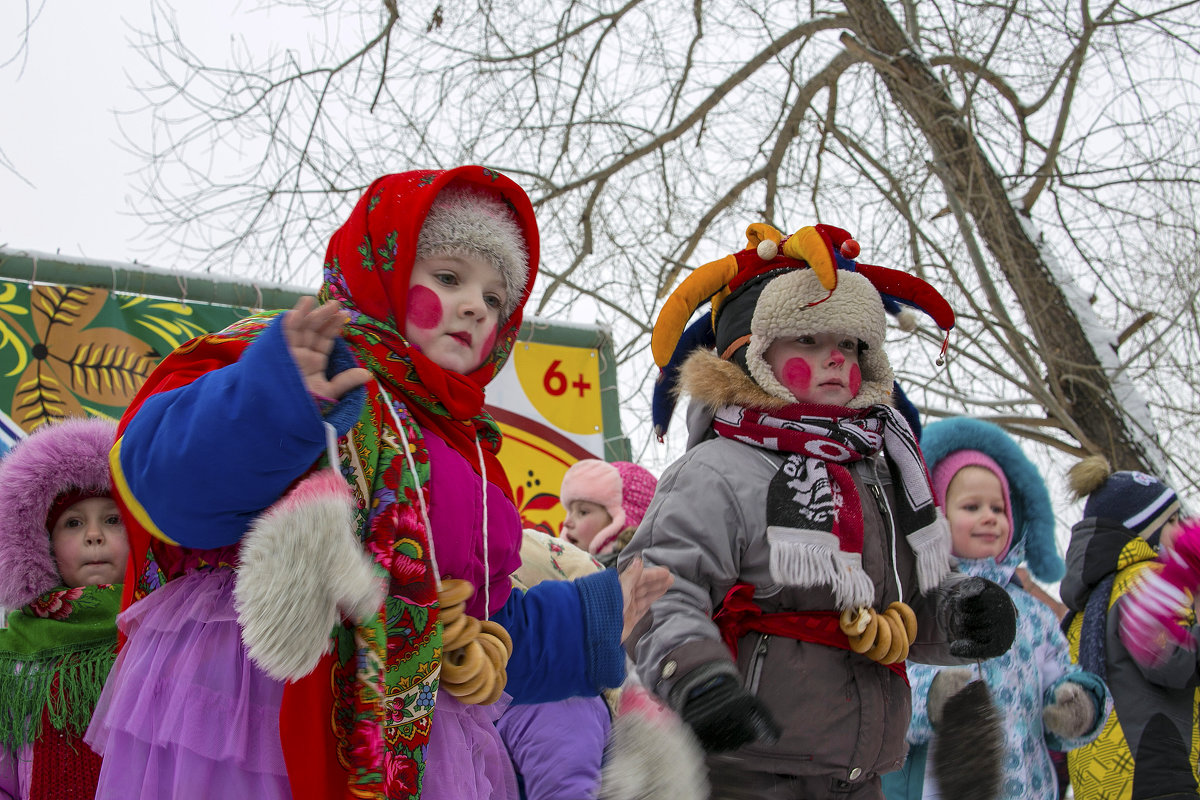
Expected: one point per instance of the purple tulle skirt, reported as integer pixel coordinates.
(184, 713)
(466, 757)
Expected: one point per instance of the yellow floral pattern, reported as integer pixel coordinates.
(80, 351)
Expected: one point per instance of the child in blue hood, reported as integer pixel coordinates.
(1000, 518)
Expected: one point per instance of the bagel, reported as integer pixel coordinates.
(461, 664)
(883, 640)
(501, 682)
(497, 630)
(484, 691)
(899, 649)
(463, 635)
(908, 617)
(455, 591)
(452, 632)
(493, 648)
(448, 614)
(865, 641)
(471, 684)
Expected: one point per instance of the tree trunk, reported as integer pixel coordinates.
(1075, 371)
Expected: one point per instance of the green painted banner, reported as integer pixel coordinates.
(73, 351)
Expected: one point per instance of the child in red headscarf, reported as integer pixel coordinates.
(237, 590)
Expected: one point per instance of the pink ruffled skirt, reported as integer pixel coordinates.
(466, 756)
(184, 713)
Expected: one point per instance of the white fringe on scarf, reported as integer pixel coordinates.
(811, 558)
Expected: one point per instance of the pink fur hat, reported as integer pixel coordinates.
(952, 464)
(56, 458)
(597, 482)
(622, 488)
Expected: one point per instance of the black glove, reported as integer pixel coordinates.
(979, 617)
(725, 716)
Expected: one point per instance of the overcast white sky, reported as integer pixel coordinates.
(63, 92)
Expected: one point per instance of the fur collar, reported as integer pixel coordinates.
(716, 383)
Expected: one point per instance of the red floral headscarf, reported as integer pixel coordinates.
(368, 266)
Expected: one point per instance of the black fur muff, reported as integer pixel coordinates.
(968, 745)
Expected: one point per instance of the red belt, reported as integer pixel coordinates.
(739, 614)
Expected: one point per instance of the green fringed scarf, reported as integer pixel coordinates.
(55, 655)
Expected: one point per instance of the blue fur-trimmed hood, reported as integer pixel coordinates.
(1033, 515)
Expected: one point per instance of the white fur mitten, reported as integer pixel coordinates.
(651, 753)
(945, 685)
(301, 568)
(1072, 713)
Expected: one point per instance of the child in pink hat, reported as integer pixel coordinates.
(605, 503)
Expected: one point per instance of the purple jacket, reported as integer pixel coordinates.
(557, 747)
(16, 770)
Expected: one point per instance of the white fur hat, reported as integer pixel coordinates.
(791, 305)
(462, 220)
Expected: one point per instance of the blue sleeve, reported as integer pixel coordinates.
(566, 638)
(908, 782)
(920, 678)
(203, 460)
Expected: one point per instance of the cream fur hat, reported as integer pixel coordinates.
(791, 305)
(464, 220)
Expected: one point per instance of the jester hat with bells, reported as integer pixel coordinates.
(781, 287)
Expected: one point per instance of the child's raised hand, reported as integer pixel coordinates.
(640, 587)
(310, 330)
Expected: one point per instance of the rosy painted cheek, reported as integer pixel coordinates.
(797, 376)
(489, 342)
(855, 380)
(424, 307)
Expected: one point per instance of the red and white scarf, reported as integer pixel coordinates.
(814, 512)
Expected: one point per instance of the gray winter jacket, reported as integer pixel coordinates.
(841, 714)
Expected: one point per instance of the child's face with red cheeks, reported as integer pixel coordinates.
(817, 368)
(454, 304)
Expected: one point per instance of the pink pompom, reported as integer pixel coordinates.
(1153, 612)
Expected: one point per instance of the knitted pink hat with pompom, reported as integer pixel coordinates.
(622, 488)
(637, 490)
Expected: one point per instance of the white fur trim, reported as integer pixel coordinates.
(301, 567)
(854, 308)
(931, 545)
(651, 753)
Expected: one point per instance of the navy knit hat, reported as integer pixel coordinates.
(1140, 502)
